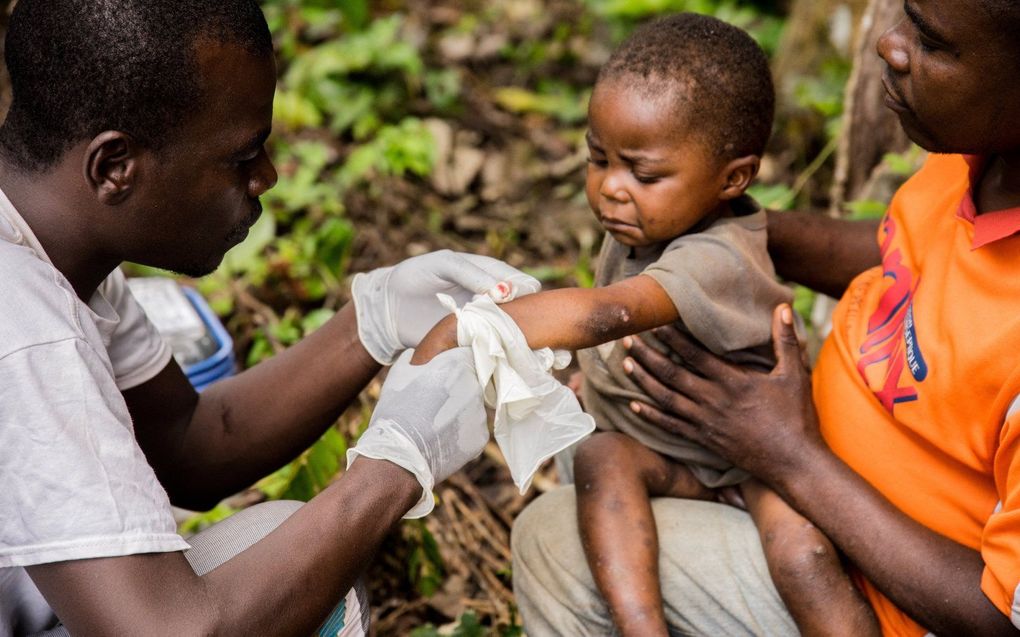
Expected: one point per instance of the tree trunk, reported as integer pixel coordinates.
(870, 129)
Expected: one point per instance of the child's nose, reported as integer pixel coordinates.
(613, 188)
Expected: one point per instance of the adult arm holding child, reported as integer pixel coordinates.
(824, 253)
(766, 423)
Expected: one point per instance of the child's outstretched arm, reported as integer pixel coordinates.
(573, 318)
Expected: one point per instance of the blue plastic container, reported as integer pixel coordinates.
(200, 343)
(221, 364)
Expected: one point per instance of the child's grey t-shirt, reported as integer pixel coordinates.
(723, 285)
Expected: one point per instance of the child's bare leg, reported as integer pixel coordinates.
(615, 476)
(806, 570)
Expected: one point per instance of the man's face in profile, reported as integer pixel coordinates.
(201, 192)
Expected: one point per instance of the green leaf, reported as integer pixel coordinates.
(866, 209)
(295, 111)
(355, 12)
(469, 626)
(310, 473)
(773, 197)
(425, 566)
(904, 164)
(804, 302)
(201, 521)
(316, 319)
(247, 255)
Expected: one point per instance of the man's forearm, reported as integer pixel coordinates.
(823, 253)
(247, 426)
(284, 584)
(934, 579)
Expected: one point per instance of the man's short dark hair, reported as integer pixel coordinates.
(80, 67)
(716, 74)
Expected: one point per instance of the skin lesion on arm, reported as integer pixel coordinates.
(573, 318)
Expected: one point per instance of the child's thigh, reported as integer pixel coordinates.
(611, 452)
(615, 462)
(616, 458)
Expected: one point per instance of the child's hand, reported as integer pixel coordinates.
(439, 339)
(731, 496)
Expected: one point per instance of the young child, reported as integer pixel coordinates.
(678, 121)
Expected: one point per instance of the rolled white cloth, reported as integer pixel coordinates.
(536, 415)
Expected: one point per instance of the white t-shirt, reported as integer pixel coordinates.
(74, 483)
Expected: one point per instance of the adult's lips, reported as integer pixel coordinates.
(893, 100)
(240, 231)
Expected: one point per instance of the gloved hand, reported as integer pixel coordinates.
(397, 306)
(429, 420)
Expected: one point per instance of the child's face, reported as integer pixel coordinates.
(951, 77)
(647, 181)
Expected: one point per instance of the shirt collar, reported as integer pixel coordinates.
(990, 226)
(15, 229)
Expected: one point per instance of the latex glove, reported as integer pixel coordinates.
(429, 420)
(397, 306)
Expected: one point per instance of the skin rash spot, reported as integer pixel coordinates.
(607, 322)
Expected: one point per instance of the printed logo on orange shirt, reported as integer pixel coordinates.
(892, 334)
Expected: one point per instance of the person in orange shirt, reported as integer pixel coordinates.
(903, 446)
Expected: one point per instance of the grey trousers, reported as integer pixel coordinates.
(711, 567)
(224, 540)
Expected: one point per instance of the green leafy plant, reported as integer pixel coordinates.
(622, 15)
(425, 568)
(312, 472)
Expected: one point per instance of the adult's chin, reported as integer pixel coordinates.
(198, 269)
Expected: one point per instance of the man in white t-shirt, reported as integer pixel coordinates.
(136, 133)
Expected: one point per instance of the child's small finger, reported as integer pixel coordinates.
(502, 291)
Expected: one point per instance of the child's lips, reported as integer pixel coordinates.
(615, 225)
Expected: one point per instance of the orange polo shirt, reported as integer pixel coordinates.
(918, 386)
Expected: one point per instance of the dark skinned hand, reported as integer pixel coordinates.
(764, 423)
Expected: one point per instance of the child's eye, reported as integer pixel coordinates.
(598, 161)
(646, 179)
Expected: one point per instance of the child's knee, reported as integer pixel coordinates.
(798, 553)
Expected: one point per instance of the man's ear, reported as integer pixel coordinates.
(112, 166)
(738, 174)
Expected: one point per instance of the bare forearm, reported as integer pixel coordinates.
(823, 253)
(245, 427)
(284, 584)
(934, 579)
(573, 318)
(297, 574)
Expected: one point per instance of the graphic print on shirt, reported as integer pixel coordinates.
(892, 343)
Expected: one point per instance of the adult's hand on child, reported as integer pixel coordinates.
(396, 306)
(429, 420)
(762, 422)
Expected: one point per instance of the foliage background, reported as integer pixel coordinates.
(403, 126)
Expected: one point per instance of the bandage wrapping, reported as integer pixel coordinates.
(535, 415)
